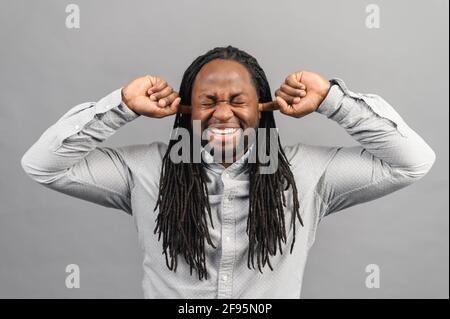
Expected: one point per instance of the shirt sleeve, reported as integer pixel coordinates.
(390, 155)
(66, 157)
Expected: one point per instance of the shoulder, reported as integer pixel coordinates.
(138, 156)
(152, 150)
(309, 161)
(304, 153)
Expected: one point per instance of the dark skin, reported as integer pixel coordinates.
(224, 96)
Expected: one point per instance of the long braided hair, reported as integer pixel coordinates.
(183, 201)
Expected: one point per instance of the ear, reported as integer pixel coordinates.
(185, 109)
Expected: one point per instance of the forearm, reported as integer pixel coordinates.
(74, 136)
(379, 129)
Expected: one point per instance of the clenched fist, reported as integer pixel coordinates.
(301, 93)
(151, 96)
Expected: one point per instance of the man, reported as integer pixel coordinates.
(220, 224)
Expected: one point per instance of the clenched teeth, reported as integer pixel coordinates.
(224, 131)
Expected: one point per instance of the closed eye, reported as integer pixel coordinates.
(238, 102)
(237, 99)
(211, 100)
(208, 104)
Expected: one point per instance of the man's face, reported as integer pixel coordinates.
(224, 99)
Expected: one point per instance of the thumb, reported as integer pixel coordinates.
(268, 106)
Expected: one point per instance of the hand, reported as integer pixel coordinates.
(301, 93)
(151, 96)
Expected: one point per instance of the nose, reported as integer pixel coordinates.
(222, 111)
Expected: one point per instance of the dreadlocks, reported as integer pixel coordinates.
(183, 200)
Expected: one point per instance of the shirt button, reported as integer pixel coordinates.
(77, 127)
(228, 238)
(224, 277)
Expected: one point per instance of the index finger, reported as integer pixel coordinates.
(268, 106)
(185, 109)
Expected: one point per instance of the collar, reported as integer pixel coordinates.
(233, 170)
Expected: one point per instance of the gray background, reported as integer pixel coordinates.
(47, 68)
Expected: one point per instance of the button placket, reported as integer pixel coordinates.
(228, 245)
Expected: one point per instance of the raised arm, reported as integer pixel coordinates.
(67, 158)
(390, 154)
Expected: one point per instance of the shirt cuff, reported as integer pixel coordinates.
(332, 100)
(115, 100)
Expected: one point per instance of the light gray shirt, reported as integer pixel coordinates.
(68, 158)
